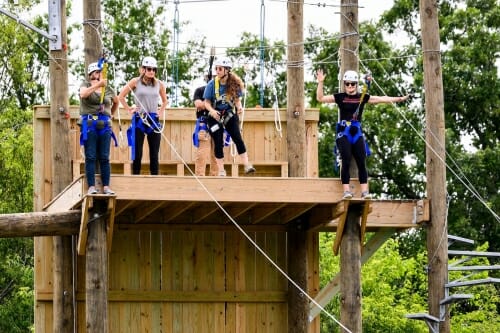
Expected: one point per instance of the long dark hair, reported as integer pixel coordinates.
(234, 84)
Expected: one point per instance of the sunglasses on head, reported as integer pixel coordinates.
(352, 84)
(150, 69)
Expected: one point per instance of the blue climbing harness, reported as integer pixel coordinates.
(350, 129)
(201, 125)
(148, 123)
(100, 123)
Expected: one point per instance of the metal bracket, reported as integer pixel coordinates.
(55, 43)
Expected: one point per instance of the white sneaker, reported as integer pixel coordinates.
(347, 195)
(92, 190)
(366, 195)
(222, 173)
(249, 169)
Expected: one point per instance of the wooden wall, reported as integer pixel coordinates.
(181, 281)
(266, 146)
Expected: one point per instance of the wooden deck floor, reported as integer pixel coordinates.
(255, 203)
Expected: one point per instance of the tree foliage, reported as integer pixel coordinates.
(146, 32)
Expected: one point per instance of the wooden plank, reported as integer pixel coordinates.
(82, 236)
(68, 198)
(340, 228)
(146, 209)
(111, 220)
(299, 190)
(364, 217)
(137, 296)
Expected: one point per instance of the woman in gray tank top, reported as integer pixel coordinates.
(147, 91)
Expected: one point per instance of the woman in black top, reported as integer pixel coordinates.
(350, 140)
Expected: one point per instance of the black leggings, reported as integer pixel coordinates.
(154, 140)
(347, 152)
(233, 128)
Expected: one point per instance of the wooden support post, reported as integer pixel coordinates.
(297, 269)
(96, 268)
(61, 175)
(435, 159)
(298, 305)
(96, 277)
(350, 272)
(349, 45)
(296, 125)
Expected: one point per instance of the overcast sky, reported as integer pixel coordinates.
(237, 16)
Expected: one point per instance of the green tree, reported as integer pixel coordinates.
(146, 33)
(16, 195)
(251, 53)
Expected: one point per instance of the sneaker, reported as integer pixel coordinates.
(222, 173)
(347, 195)
(249, 169)
(108, 191)
(92, 190)
(366, 195)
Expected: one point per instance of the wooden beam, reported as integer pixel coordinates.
(68, 198)
(186, 114)
(39, 224)
(82, 236)
(364, 217)
(144, 210)
(111, 221)
(200, 227)
(265, 211)
(146, 296)
(178, 210)
(172, 188)
(340, 228)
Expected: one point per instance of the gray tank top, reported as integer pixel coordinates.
(147, 97)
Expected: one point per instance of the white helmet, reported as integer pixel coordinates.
(223, 62)
(93, 67)
(351, 76)
(149, 62)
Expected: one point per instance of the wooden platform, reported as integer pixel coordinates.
(178, 259)
(209, 203)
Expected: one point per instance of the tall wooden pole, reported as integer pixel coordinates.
(296, 128)
(63, 299)
(437, 234)
(96, 262)
(96, 272)
(349, 46)
(297, 240)
(350, 248)
(349, 40)
(350, 272)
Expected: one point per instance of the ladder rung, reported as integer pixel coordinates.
(473, 253)
(422, 316)
(460, 239)
(471, 282)
(455, 298)
(474, 268)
